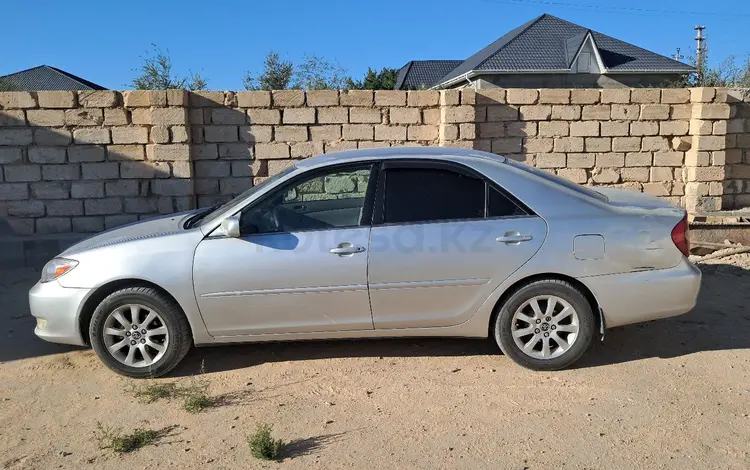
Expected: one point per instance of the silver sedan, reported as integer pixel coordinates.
(398, 242)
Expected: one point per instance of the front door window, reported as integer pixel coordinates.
(323, 201)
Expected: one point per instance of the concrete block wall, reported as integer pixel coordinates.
(240, 138)
(86, 161)
(91, 160)
(670, 143)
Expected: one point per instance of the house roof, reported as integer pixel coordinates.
(423, 73)
(549, 44)
(45, 77)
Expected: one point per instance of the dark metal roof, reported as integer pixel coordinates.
(548, 43)
(45, 77)
(423, 73)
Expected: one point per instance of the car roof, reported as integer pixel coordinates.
(396, 152)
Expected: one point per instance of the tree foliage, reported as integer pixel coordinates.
(277, 75)
(373, 80)
(156, 74)
(728, 73)
(314, 73)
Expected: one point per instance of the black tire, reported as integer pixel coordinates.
(586, 324)
(178, 328)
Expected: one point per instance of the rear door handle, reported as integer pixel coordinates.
(513, 238)
(347, 249)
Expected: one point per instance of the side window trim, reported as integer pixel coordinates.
(508, 196)
(486, 199)
(379, 202)
(368, 202)
(372, 184)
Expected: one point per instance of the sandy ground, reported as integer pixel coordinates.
(668, 394)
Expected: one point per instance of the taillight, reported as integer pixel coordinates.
(680, 236)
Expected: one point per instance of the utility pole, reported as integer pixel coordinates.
(700, 54)
(678, 56)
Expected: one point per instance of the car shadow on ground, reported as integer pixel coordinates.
(720, 321)
(17, 338)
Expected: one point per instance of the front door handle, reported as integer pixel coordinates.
(513, 238)
(347, 248)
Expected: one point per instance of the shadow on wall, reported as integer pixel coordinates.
(498, 128)
(85, 170)
(735, 192)
(72, 179)
(223, 140)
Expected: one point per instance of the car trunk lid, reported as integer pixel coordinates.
(657, 230)
(638, 201)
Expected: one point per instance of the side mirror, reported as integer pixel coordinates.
(230, 227)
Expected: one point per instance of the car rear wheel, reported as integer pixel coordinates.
(545, 325)
(140, 332)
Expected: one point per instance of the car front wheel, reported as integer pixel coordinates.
(545, 325)
(140, 332)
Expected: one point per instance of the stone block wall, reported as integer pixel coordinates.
(86, 161)
(671, 143)
(239, 138)
(91, 160)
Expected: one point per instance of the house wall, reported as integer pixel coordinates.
(574, 80)
(86, 161)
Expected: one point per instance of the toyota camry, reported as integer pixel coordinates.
(395, 242)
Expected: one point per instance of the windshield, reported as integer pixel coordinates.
(211, 216)
(559, 180)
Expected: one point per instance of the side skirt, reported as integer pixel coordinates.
(476, 327)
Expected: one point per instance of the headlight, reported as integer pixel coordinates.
(56, 268)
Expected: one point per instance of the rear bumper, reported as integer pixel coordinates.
(647, 295)
(56, 309)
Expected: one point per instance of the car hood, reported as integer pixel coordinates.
(150, 228)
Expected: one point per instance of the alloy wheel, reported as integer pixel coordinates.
(545, 326)
(135, 335)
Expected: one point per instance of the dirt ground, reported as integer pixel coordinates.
(673, 393)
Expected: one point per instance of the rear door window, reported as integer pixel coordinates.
(425, 194)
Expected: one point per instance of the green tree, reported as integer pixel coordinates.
(156, 74)
(729, 74)
(316, 73)
(383, 80)
(277, 75)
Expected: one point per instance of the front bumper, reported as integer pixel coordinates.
(646, 295)
(56, 309)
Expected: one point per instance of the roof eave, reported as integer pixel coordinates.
(475, 73)
(460, 78)
(617, 72)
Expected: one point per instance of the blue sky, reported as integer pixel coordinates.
(103, 41)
